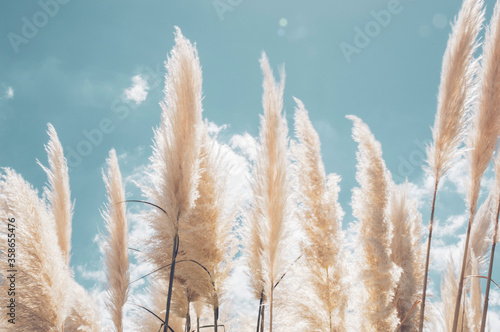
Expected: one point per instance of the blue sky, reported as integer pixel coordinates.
(94, 69)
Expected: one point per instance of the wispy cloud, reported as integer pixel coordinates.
(8, 93)
(138, 92)
(246, 143)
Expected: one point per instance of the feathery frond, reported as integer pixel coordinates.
(270, 193)
(485, 130)
(58, 193)
(41, 270)
(378, 273)
(406, 252)
(116, 247)
(175, 160)
(208, 228)
(82, 315)
(321, 217)
(456, 91)
(456, 96)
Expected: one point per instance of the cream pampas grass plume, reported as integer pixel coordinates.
(208, 237)
(42, 276)
(175, 162)
(456, 90)
(271, 193)
(116, 247)
(407, 252)
(456, 94)
(321, 217)
(377, 271)
(58, 192)
(485, 130)
(82, 315)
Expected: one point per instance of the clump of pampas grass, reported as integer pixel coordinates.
(42, 276)
(270, 195)
(116, 248)
(456, 93)
(484, 133)
(321, 216)
(378, 272)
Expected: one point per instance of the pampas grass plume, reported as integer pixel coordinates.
(41, 269)
(322, 220)
(116, 247)
(270, 193)
(58, 193)
(378, 273)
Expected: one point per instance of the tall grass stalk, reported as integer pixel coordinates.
(175, 159)
(378, 272)
(42, 272)
(407, 252)
(455, 96)
(484, 133)
(58, 192)
(321, 216)
(271, 191)
(208, 230)
(116, 248)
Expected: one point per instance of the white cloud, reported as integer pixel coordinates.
(138, 92)
(246, 143)
(452, 226)
(9, 94)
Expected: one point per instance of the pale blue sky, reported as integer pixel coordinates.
(72, 71)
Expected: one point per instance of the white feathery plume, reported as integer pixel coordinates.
(377, 271)
(456, 95)
(456, 90)
(42, 275)
(271, 191)
(175, 160)
(82, 315)
(485, 130)
(208, 236)
(116, 247)
(407, 253)
(58, 193)
(321, 217)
